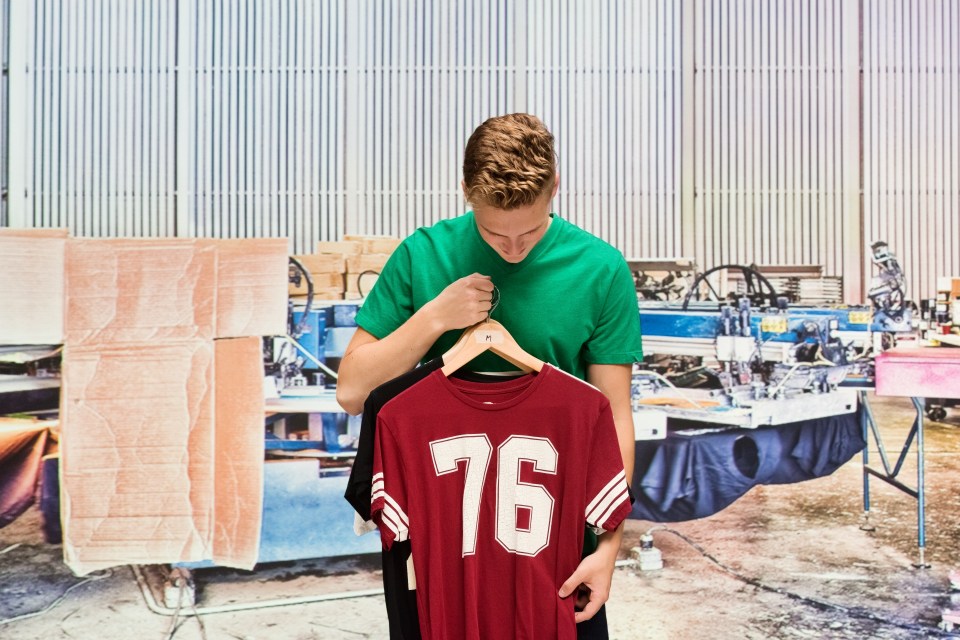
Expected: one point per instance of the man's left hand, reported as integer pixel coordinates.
(595, 573)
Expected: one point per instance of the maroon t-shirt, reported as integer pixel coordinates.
(492, 484)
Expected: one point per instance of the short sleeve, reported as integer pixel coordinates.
(388, 501)
(390, 303)
(607, 492)
(616, 338)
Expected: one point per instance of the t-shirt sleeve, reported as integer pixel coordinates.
(616, 338)
(607, 492)
(388, 502)
(390, 303)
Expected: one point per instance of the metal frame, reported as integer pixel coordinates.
(889, 473)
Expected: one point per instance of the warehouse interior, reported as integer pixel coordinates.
(200, 197)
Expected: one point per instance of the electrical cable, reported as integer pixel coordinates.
(360, 276)
(853, 612)
(174, 626)
(155, 607)
(49, 607)
(330, 372)
(301, 326)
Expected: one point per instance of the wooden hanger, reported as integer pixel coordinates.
(489, 335)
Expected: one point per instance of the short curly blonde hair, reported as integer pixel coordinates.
(509, 162)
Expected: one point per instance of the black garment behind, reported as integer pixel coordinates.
(401, 601)
(359, 487)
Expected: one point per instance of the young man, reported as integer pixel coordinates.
(567, 298)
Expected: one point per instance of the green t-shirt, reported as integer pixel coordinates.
(570, 302)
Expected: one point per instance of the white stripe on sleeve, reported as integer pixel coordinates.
(605, 496)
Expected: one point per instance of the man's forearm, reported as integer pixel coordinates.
(370, 362)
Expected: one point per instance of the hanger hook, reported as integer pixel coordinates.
(494, 301)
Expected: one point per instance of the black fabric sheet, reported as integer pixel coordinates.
(694, 476)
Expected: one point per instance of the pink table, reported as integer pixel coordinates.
(915, 373)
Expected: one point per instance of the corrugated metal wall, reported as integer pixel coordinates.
(263, 84)
(310, 120)
(430, 71)
(911, 136)
(427, 73)
(768, 151)
(605, 76)
(4, 116)
(101, 117)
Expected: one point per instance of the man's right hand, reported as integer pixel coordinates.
(369, 361)
(463, 303)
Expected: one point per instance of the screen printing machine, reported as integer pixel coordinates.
(758, 389)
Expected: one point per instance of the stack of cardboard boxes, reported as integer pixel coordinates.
(345, 269)
(948, 300)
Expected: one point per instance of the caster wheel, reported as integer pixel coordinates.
(937, 414)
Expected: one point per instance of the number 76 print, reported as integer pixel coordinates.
(512, 494)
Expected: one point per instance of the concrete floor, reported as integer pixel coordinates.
(788, 561)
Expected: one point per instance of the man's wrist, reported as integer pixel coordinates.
(608, 544)
(431, 323)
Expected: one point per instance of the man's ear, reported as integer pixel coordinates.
(556, 185)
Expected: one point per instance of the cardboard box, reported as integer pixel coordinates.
(323, 262)
(34, 232)
(341, 247)
(321, 282)
(31, 289)
(367, 262)
(162, 453)
(375, 244)
(137, 455)
(252, 275)
(140, 290)
(325, 270)
(950, 286)
(319, 295)
(360, 284)
(238, 451)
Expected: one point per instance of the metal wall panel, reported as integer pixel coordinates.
(911, 136)
(429, 71)
(768, 149)
(605, 77)
(432, 70)
(101, 81)
(4, 111)
(310, 120)
(265, 95)
(238, 118)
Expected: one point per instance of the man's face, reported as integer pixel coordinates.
(513, 233)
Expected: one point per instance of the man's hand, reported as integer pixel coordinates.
(595, 572)
(463, 303)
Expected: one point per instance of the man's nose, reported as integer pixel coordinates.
(512, 247)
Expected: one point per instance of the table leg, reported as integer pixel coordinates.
(918, 403)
